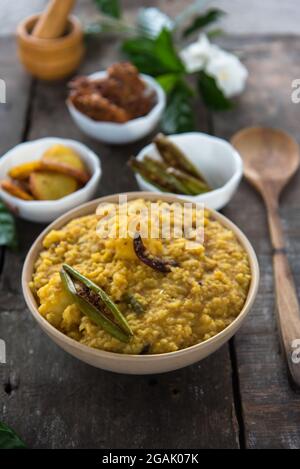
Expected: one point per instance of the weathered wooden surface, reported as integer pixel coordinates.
(13, 113)
(267, 17)
(240, 396)
(53, 400)
(271, 410)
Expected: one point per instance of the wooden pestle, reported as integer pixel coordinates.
(52, 22)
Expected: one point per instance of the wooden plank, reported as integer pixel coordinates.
(12, 114)
(271, 409)
(263, 18)
(13, 117)
(55, 401)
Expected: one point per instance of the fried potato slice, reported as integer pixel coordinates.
(23, 171)
(15, 190)
(49, 165)
(63, 159)
(46, 185)
(63, 154)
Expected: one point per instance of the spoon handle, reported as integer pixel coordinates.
(288, 311)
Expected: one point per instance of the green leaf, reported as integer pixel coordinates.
(179, 114)
(141, 52)
(169, 81)
(202, 21)
(9, 439)
(211, 94)
(7, 228)
(213, 33)
(109, 7)
(166, 52)
(155, 56)
(189, 12)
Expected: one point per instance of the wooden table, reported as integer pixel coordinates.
(240, 396)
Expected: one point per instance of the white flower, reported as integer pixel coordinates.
(196, 55)
(230, 74)
(152, 21)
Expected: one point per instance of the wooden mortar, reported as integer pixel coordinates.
(50, 59)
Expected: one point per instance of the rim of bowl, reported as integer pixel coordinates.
(158, 107)
(61, 221)
(91, 156)
(24, 34)
(237, 175)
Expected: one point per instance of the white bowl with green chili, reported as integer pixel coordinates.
(135, 342)
(215, 159)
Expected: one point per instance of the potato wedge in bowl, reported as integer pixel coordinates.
(58, 173)
(78, 167)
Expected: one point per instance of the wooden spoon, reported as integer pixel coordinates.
(271, 158)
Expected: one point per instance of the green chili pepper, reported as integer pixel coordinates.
(160, 169)
(193, 185)
(95, 303)
(173, 156)
(157, 179)
(168, 178)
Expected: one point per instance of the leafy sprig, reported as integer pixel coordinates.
(202, 21)
(9, 439)
(155, 56)
(212, 95)
(8, 235)
(109, 7)
(179, 115)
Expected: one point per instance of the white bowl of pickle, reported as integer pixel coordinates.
(42, 179)
(195, 166)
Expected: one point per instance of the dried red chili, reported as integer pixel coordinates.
(156, 263)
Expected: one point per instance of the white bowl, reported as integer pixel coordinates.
(136, 364)
(217, 160)
(48, 210)
(113, 133)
